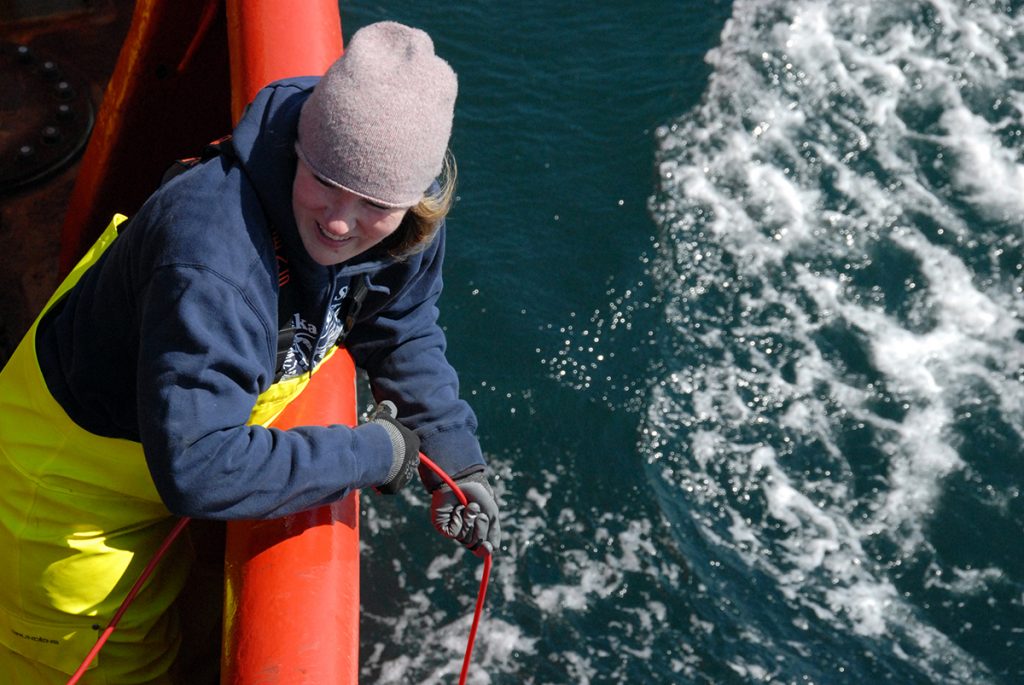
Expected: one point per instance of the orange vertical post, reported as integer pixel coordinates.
(292, 584)
(273, 39)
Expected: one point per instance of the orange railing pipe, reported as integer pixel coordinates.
(291, 611)
(273, 39)
(292, 584)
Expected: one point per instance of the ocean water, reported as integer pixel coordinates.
(737, 291)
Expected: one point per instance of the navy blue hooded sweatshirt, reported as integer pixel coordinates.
(172, 336)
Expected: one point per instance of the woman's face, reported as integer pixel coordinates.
(336, 225)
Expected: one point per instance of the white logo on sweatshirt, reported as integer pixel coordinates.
(309, 346)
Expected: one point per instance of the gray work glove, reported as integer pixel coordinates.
(476, 526)
(405, 448)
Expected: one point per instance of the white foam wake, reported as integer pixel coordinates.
(836, 220)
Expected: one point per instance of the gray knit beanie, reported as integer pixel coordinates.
(378, 122)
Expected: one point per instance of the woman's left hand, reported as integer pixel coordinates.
(475, 524)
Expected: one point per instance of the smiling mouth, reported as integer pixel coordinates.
(331, 237)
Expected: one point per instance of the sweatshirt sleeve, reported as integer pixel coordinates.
(402, 349)
(203, 358)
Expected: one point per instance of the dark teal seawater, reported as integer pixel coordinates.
(736, 292)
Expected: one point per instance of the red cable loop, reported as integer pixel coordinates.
(482, 593)
(180, 526)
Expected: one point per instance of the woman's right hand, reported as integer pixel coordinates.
(405, 448)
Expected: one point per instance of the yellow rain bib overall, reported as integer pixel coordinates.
(79, 520)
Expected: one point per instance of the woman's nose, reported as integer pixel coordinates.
(340, 215)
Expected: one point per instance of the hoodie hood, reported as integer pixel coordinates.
(264, 143)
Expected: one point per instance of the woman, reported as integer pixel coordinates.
(142, 391)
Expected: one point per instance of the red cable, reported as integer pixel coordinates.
(482, 593)
(476, 617)
(146, 572)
